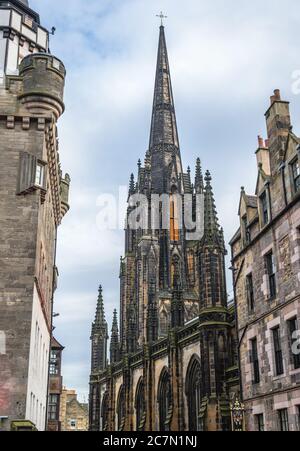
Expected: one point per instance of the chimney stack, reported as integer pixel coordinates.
(276, 97)
(263, 155)
(260, 142)
(278, 126)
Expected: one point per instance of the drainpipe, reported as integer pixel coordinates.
(281, 169)
(234, 270)
(51, 328)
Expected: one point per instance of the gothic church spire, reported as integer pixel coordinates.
(99, 336)
(211, 224)
(100, 314)
(163, 126)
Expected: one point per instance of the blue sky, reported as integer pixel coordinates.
(226, 58)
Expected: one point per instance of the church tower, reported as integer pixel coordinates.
(33, 202)
(173, 299)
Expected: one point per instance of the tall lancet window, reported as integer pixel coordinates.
(164, 401)
(191, 267)
(121, 409)
(194, 395)
(140, 406)
(163, 324)
(104, 411)
(174, 219)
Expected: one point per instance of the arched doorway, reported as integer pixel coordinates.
(164, 400)
(193, 393)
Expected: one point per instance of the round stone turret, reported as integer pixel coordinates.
(43, 84)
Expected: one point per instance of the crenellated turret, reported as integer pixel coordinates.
(43, 78)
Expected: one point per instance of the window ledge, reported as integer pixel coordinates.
(294, 372)
(277, 378)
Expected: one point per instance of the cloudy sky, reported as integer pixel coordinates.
(226, 58)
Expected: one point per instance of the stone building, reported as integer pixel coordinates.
(55, 386)
(172, 360)
(265, 255)
(33, 201)
(74, 415)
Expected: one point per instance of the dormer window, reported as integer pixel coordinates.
(296, 175)
(264, 208)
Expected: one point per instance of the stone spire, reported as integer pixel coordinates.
(163, 126)
(100, 314)
(199, 185)
(99, 336)
(114, 341)
(164, 142)
(212, 279)
(131, 185)
(211, 225)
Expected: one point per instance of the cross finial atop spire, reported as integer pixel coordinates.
(162, 17)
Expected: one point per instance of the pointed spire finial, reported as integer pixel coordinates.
(99, 336)
(100, 314)
(211, 224)
(131, 185)
(114, 343)
(115, 321)
(208, 178)
(199, 185)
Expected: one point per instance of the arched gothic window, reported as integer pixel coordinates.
(104, 411)
(191, 267)
(140, 405)
(121, 408)
(193, 394)
(164, 400)
(174, 218)
(163, 324)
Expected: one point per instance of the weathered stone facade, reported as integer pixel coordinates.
(74, 415)
(171, 361)
(265, 253)
(33, 201)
